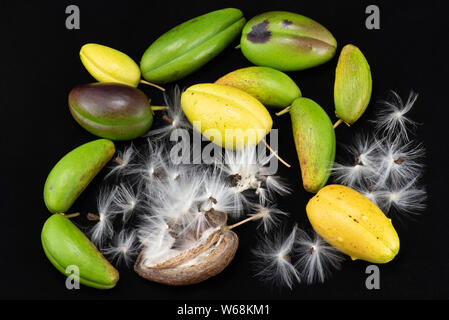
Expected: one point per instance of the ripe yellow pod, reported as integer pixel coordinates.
(227, 116)
(353, 224)
(109, 65)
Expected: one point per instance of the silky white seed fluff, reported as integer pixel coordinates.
(316, 258)
(103, 228)
(352, 175)
(126, 200)
(174, 116)
(122, 161)
(249, 168)
(269, 216)
(360, 164)
(406, 199)
(398, 162)
(273, 259)
(392, 119)
(277, 185)
(219, 195)
(123, 248)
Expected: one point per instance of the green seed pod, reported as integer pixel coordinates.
(188, 46)
(271, 87)
(72, 174)
(315, 142)
(111, 110)
(286, 41)
(109, 65)
(65, 245)
(353, 84)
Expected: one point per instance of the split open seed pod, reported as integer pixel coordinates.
(212, 252)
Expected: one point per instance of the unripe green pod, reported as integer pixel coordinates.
(271, 87)
(188, 46)
(315, 142)
(109, 65)
(73, 173)
(65, 245)
(286, 41)
(111, 110)
(353, 84)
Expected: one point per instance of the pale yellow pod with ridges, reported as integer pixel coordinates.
(227, 116)
(353, 224)
(106, 64)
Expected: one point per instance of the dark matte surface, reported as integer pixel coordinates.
(40, 65)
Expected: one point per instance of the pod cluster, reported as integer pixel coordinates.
(173, 218)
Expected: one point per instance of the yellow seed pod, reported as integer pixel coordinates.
(353, 224)
(109, 65)
(227, 116)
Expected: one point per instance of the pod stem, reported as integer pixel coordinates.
(152, 84)
(158, 108)
(71, 215)
(276, 155)
(283, 111)
(237, 46)
(337, 123)
(255, 217)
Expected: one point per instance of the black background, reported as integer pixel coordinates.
(40, 65)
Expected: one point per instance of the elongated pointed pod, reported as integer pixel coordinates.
(227, 116)
(353, 224)
(353, 84)
(106, 64)
(286, 41)
(271, 87)
(315, 142)
(67, 247)
(73, 173)
(111, 110)
(188, 46)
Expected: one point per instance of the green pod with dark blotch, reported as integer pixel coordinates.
(73, 173)
(111, 110)
(73, 254)
(315, 142)
(271, 87)
(353, 84)
(188, 46)
(286, 41)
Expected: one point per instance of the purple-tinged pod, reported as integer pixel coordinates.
(111, 110)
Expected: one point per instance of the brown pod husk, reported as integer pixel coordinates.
(190, 254)
(200, 268)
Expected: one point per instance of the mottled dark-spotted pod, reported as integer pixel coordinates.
(286, 41)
